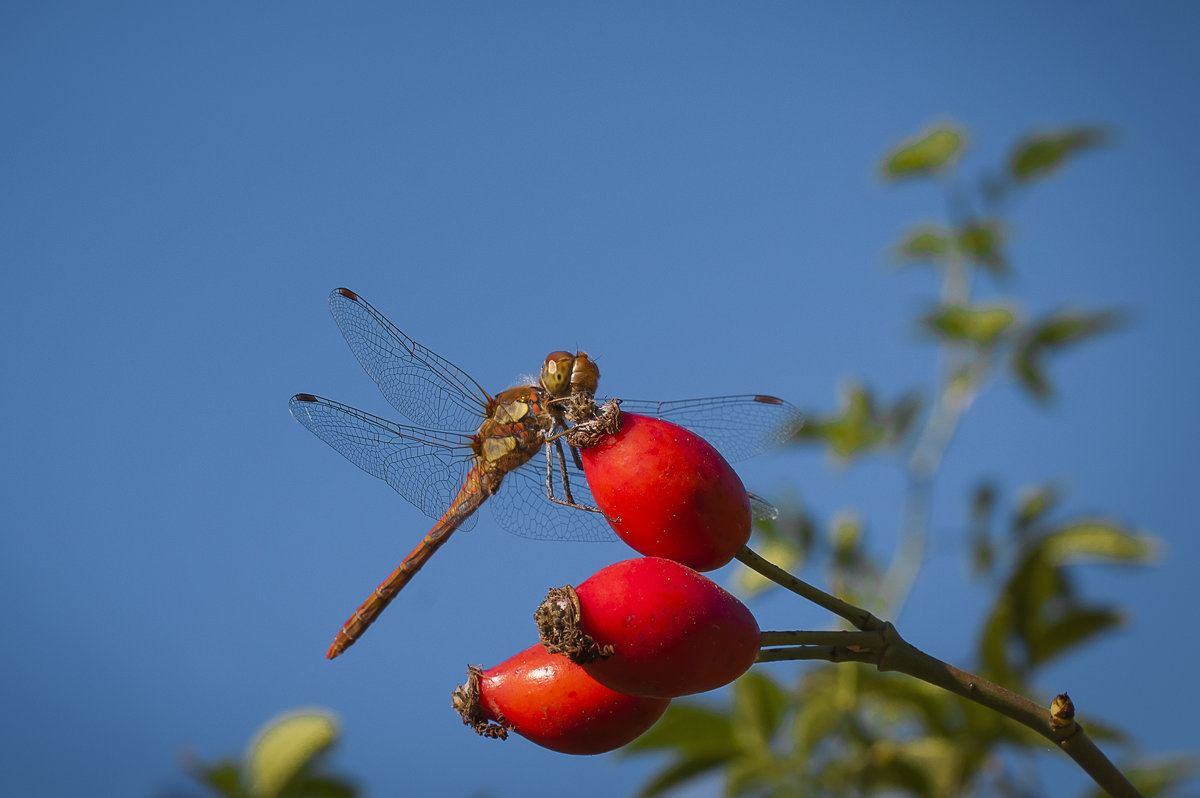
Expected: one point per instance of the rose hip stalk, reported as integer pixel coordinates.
(668, 493)
(552, 702)
(651, 627)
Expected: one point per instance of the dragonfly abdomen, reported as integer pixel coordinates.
(477, 487)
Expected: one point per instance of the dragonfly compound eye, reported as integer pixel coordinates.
(556, 372)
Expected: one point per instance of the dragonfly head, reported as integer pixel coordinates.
(585, 374)
(564, 374)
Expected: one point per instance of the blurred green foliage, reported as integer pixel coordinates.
(862, 424)
(283, 760)
(1040, 154)
(935, 149)
(978, 325)
(847, 728)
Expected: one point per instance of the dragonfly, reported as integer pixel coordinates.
(466, 447)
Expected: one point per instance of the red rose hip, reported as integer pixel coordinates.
(651, 627)
(554, 703)
(668, 493)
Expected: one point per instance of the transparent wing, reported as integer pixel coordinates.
(428, 389)
(426, 467)
(521, 506)
(738, 427)
(762, 509)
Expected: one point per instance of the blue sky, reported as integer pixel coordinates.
(686, 191)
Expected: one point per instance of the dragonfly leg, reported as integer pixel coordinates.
(555, 438)
(562, 470)
(568, 500)
(583, 507)
(549, 472)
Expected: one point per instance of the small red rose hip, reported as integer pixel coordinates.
(651, 627)
(552, 702)
(668, 493)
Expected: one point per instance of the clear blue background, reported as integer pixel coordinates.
(687, 191)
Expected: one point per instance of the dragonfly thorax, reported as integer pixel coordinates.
(515, 429)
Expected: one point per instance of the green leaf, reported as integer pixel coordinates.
(1100, 731)
(1034, 585)
(978, 325)
(284, 747)
(757, 775)
(925, 153)
(1040, 155)
(815, 722)
(224, 777)
(925, 243)
(856, 429)
(758, 708)
(1020, 612)
(981, 242)
(927, 766)
(1038, 609)
(862, 425)
(994, 650)
(1034, 504)
(691, 730)
(819, 710)
(846, 537)
(1076, 626)
(1050, 334)
(1067, 327)
(982, 507)
(1031, 374)
(679, 772)
(319, 787)
(902, 699)
(1092, 541)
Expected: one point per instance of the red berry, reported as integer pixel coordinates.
(668, 493)
(554, 703)
(651, 627)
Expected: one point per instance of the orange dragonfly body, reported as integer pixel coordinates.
(449, 473)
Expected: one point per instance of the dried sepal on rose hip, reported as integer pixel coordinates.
(651, 627)
(554, 703)
(667, 492)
